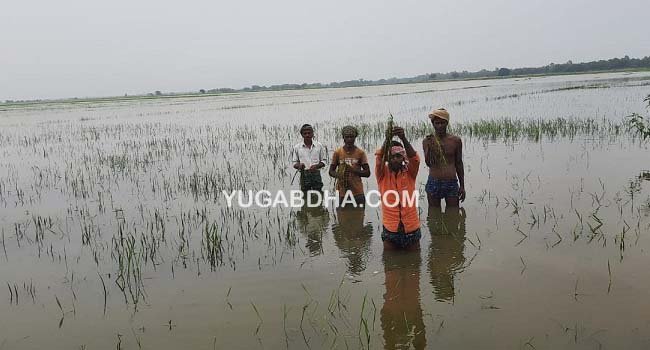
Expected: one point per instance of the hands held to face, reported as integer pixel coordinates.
(301, 166)
(399, 132)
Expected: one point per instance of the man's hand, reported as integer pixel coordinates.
(461, 194)
(399, 132)
(299, 166)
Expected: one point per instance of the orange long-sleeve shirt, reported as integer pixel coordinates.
(401, 181)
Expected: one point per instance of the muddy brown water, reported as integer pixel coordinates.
(550, 249)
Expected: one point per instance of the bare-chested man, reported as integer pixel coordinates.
(443, 154)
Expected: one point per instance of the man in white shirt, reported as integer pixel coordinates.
(309, 157)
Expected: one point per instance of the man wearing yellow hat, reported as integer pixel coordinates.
(443, 154)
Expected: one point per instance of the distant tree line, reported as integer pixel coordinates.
(553, 68)
(560, 68)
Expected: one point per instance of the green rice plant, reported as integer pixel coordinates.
(639, 124)
(105, 292)
(11, 294)
(609, 272)
(364, 338)
(211, 245)
(259, 318)
(436, 153)
(342, 176)
(129, 259)
(4, 246)
(512, 130)
(388, 140)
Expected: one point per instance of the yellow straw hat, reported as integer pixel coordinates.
(439, 113)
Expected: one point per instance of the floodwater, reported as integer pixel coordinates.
(115, 232)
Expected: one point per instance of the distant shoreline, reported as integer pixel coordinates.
(242, 92)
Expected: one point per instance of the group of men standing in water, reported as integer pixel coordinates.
(396, 174)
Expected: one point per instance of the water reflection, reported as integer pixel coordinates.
(446, 257)
(352, 237)
(401, 315)
(312, 222)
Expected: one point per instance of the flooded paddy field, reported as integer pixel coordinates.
(115, 233)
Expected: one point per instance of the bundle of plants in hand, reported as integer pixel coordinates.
(342, 176)
(389, 139)
(436, 153)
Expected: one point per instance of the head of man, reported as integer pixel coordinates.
(307, 132)
(397, 159)
(349, 134)
(440, 120)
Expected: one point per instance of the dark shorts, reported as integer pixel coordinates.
(311, 180)
(442, 188)
(401, 240)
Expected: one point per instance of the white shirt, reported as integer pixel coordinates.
(309, 155)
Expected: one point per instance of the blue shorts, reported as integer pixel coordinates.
(401, 240)
(442, 188)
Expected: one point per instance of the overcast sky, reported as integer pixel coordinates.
(77, 48)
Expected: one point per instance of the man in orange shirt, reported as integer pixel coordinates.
(396, 180)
